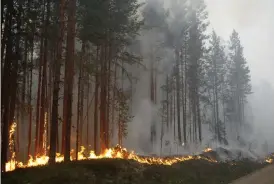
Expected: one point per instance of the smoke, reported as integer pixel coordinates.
(257, 136)
(255, 24)
(254, 21)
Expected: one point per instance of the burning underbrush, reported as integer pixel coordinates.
(116, 152)
(218, 155)
(124, 171)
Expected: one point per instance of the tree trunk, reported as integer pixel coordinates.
(87, 112)
(9, 110)
(56, 81)
(80, 95)
(6, 88)
(38, 106)
(184, 69)
(178, 97)
(70, 74)
(42, 125)
(167, 103)
(108, 94)
(30, 105)
(113, 102)
(199, 120)
(103, 101)
(96, 103)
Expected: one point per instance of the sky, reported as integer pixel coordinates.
(254, 20)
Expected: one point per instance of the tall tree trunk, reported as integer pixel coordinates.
(96, 102)
(80, 95)
(152, 98)
(184, 70)
(29, 101)
(9, 110)
(56, 81)
(108, 95)
(174, 114)
(6, 87)
(81, 111)
(44, 85)
(103, 100)
(199, 119)
(87, 112)
(167, 103)
(23, 97)
(178, 97)
(70, 74)
(113, 102)
(38, 103)
(171, 105)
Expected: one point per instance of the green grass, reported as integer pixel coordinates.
(116, 171)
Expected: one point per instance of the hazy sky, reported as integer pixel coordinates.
(254, 20)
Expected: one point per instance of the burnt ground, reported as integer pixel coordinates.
(117, 171)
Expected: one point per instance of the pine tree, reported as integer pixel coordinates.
(196, 49)
(239, 83)
(216, 73)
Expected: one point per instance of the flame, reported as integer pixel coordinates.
(11, 165)
(207, 150)
(269, 159)
(11, 135)
(116, 152)
(45, 133)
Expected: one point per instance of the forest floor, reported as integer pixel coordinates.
(118, 171)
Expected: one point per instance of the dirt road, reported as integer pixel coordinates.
(263, 176)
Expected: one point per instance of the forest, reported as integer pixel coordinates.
(74, 71)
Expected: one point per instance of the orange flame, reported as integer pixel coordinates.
(269, 159)
(11, 165)
(116, 152)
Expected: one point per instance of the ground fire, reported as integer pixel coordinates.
(116, 152)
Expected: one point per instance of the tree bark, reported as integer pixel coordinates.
(56, 81)
(96, 103)
(6, 87)
(178, 97)
(70, 74)
(30, 105)
(39, 90)
(103, 100)
(42, 125)
(79, 101)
